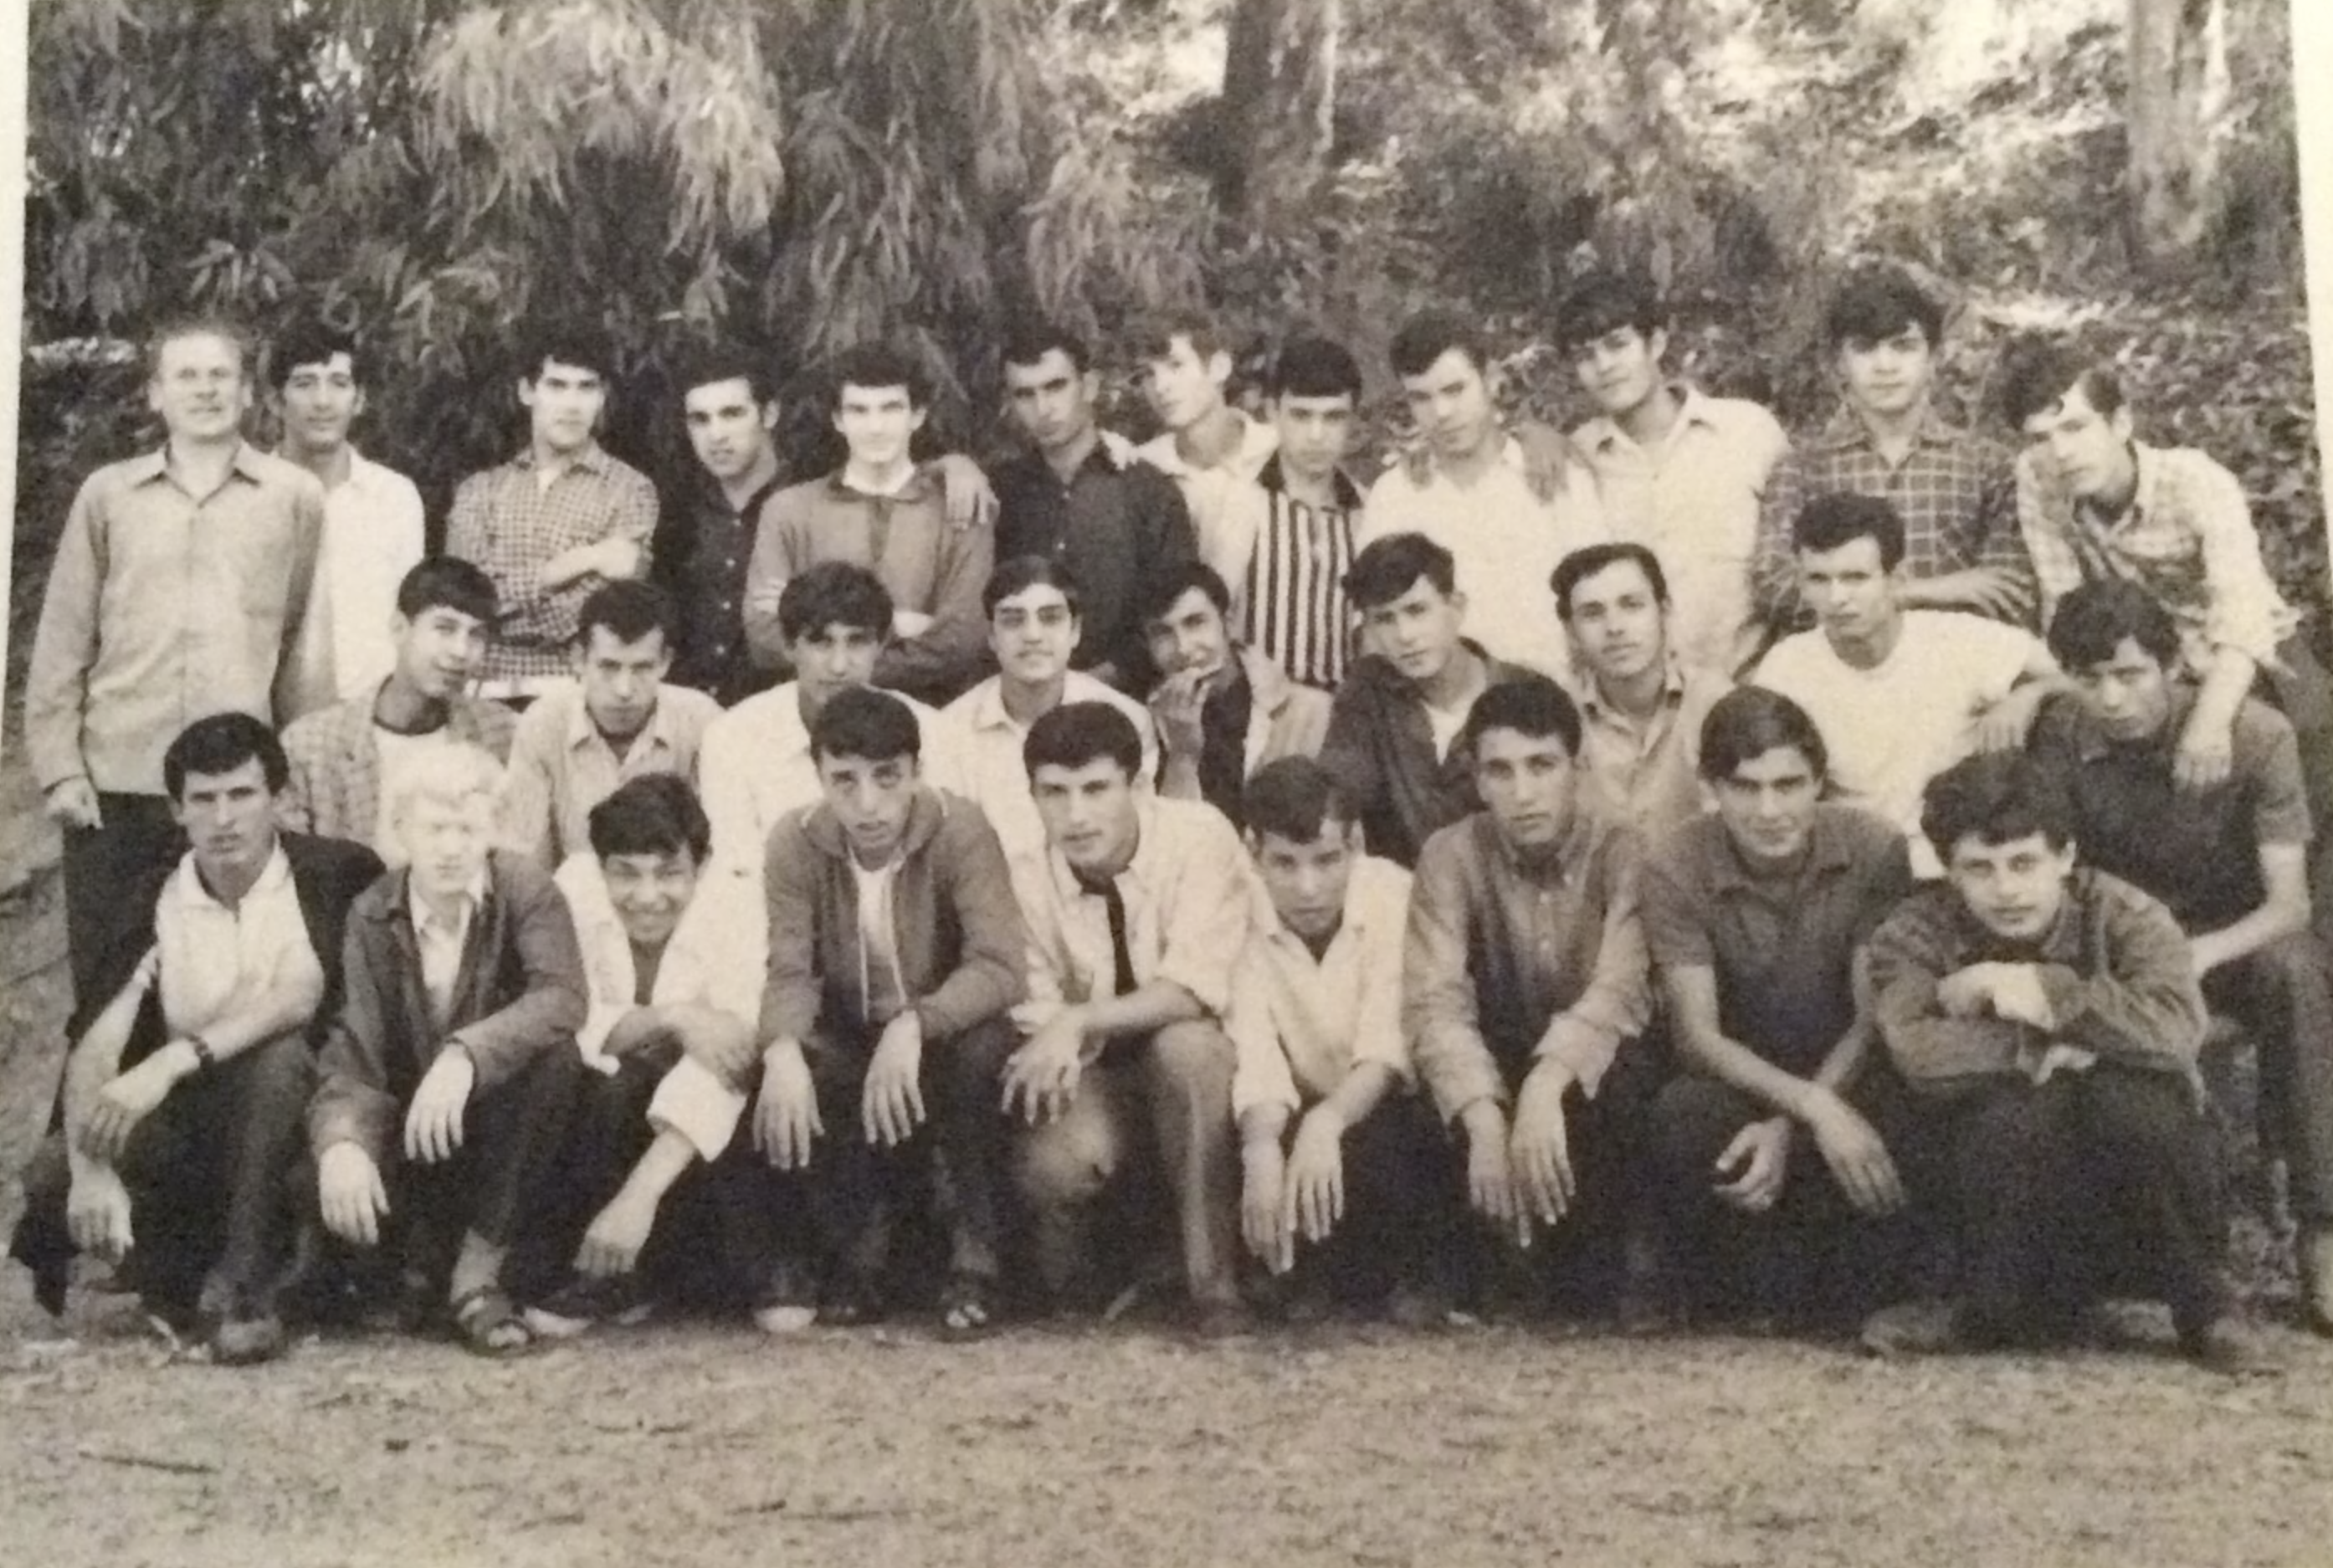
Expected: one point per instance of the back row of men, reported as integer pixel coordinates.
(1231, 574)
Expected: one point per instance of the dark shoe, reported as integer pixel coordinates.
(850, 1300)
(583, 1303)
(489, 1326)
(2224, 1345)
(1914, 1328)
(239, 1341)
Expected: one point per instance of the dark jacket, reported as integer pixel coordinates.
(520, 991)
(962, 945)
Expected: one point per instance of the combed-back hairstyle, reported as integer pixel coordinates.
(1838, 518)
(575, 343)
(654, 813)
(1603, 301)
(1390, 567)
(710, 366)
(1023, 572)
(202, 325)
(1313, 367)
(222, 743)
(2038, 373)
(1749, 722)
(2093, 621)
(1534, 707)
(1028, 341)
(1076, 733)
(1586, 561)
(871, 725)
(629, 607)
(833, 593)
(1876, 302)
(1155, 337)
(1430, 334)
(1995, 798)
(1296, 798)
(1160, 594)
(871, 367)
(448, 582)
(310, 342)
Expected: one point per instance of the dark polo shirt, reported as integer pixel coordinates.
(2197, 853)
(1782, 944)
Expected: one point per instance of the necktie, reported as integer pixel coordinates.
(1121, 958)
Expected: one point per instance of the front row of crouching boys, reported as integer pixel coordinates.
(1756, 1069)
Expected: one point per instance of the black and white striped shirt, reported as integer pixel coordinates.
(1294, 591)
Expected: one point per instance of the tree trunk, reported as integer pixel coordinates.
(1276, 120)
(2177, 112)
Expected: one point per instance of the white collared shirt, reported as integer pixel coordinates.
(217, 962)
(562, 766)
(983, 743)
(372, 536)
(1301, 1024)
(1506, 541)
(1208, 493)
(441, 940)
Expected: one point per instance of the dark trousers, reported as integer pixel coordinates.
(113, 874)
(1402, 1208)
(857, 1192)
(2093, 1182)
(1812, 1255)
(213, 1175)
(2282, 995)
(497, 1186)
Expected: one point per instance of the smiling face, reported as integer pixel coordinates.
(320, 402)
(2014, 890)
(877, 423)
(1453, 405)
(1418, 631)
(439, 652)
(650, 892)
(1033, 634)
(1052, 401)
(1307, 882)
(2090, 450)
(871, 798)
(619, 680)
(1525, 782)
(563, 403)
(727, 429)
(198, 387)
(1620, 368)
(1617, 622)
(2129, 693)
(1886, 377)
(229, 820)
(1768, 805)
(1090, 816)
(1182, 385)
(1190, 638)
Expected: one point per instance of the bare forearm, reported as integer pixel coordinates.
(1146, 1010)
(1361, 1092)
(1737, 1065)
(2272, 922)
(667, 1160)
(277, 1012)
(97, 1057)
(2225, 684)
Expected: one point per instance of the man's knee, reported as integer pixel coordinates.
(1194, 1060)
(967, 1069)
(1690, 1123)
(1069, 1161)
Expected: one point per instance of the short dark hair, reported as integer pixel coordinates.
(1876, 302)
(1605, 300)
(1155, 337)
(448, 582)
(654, 813)
(2038, 374)
(1588, 559)
(1076, 733)
(1430, 334)
(575, 343)
(1534, 706)
(874, 366)
(873, 726)
(310, 342)
(630, 608)
(1161, 592)
(1313, 367)
(1388, 568)
(833, 593)
(710, 366)
(1020, 573)
(1995, 798)
(222, 743)
(1749, 722)
(1838, 518)
(198, 325)
(1028, 341)
(1295, 799)
(2093, 620)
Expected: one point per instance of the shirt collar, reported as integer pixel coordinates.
(474, 898)
(919, 487)
(716, 500)
(248, 460)
(1847, 432)
(581, 732)
(1827, 851)
(593, 459)
(1604, 431)
(988, 699)
(1563, 866)
(1590, 696)
(273, 878)
(1271, 479)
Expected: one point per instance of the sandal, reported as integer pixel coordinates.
(490, 1325)
(967, 1305)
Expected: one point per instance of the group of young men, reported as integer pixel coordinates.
(1663, 870)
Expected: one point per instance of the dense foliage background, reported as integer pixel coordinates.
(800, 173)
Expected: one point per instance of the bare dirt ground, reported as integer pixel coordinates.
(700, 1443)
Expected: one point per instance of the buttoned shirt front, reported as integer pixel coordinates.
(1506, 542)
(562, 766)
(1188, 900)
(1646, 773)
(373, 535)
(163, 607)
(1211, 492)
(511, 524)
(1954, 489)
(982, 744)
(706, 574)
(1692, 498)
(1300, 1023)
(440, 937)
(220, 961)
(2186, 538)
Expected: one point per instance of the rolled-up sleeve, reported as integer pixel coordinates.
(692, 1101)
